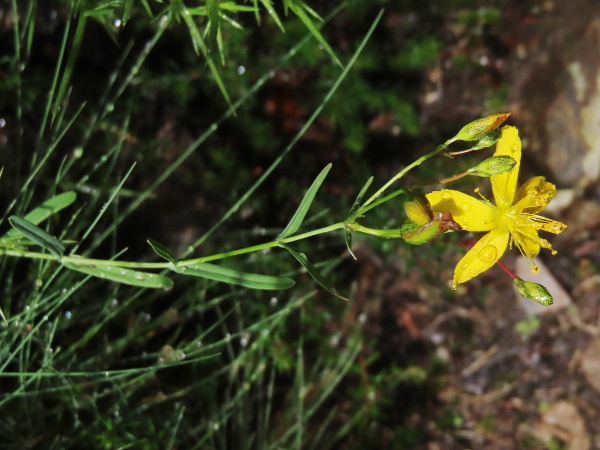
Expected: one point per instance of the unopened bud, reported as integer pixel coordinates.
(479, 128)
(494, 165)
(414, 234)
(418, 209)
(533, 291)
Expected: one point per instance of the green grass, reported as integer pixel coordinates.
(91, 362)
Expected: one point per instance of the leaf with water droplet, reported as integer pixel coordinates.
(231, 276)
(122, 275)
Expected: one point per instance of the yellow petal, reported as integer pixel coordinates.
(482, 256)
(471, 214)
(537, 193)
(504, 185)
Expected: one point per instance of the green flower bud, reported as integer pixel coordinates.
(494, 165)
(414, 234)
(479, 128)
(533, 291)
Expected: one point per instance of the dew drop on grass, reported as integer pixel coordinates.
(244, 339)
(241, 70)
(264, 332)
(114, 303)
(362, 318)
(68, 315)
(274, 301)
(117, 23)
(2, 122)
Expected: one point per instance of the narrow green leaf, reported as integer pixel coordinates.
(37, 235)
(312, 270)
(122, 275)
(231, 276)
(360, 196)
(127, 5)
(300, 213)
(271, 10)
(348, 234)
(45, 210)
(161, 250)
(308, 23)
(200, 46)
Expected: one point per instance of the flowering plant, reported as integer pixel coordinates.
(512, 220)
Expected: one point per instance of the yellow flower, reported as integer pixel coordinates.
(514, 219)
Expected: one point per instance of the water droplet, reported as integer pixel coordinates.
(241, 70)
(445, 195)
(2, 123)
(488, 254)
(362, 318)
(117, 23)
(464, 266)
(27, 308)
(183, 269)
(334, 340)
(274, 301)
(244, 339)
(465, 206)
(264, 332)
(68, 315)
(140, 277)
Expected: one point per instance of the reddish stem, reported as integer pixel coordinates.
(512, 275)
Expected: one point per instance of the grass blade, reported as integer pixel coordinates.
(122, 275)
(37, 235)
(300, 213)
(231, 276)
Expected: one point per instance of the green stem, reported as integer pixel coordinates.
(165, 265)
(399, 175)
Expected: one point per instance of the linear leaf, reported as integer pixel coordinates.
(161, 250)
(300, 213)
(312, 270)
(37, 235)
(300, 11)
(122, 275)
(348, 235)
(231, 276)
(45, 210)
(360, 196)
